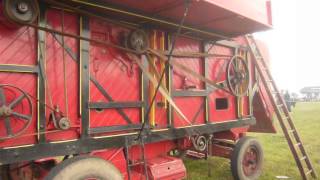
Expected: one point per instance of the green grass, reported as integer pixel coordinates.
(278, 159)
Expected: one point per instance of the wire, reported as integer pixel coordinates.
(186, 11)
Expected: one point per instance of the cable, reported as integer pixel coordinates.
(186, 11)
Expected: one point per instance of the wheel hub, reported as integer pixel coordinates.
(5, 111)
(23, 7)
(250, 162)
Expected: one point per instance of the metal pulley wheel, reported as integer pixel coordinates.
(64, 123)
(238, 76)
(21, 11)
(138, 40)
(16, 111)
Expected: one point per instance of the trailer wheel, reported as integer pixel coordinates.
(84, 167)
(247, 159)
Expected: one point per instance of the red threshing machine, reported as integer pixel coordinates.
(121, 89)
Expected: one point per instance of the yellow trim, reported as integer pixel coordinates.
(14, 71)
(142, 97)
(169, 86)
(22, 146)
(159, 130)
(116, 135)
(80, 67)
(58, 142)
(152, 90)
(162, 67)
(19, 65)
(207, 108)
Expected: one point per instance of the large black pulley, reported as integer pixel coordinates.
(16, 111)
(21, 11)
(238, 76)
(137, 40)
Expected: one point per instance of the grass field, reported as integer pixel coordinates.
(278, 160)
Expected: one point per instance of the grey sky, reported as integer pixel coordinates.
(294, 43)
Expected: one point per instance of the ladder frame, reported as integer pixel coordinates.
(280, 110)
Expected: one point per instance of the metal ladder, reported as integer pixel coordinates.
(282, 113)
(132, 164)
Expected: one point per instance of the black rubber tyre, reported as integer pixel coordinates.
(84, 167)
(4, 172)
(247, 159)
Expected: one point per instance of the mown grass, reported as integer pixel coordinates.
(278, 160)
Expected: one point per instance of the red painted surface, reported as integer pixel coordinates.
(121, 78)
(166, 168)
(55, 76)
(230, 17)
(116, 73)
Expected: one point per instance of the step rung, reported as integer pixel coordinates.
(286, 117)
(308, 172)
(292, 131)
(280, 105)
(303, 158)
(298, 144)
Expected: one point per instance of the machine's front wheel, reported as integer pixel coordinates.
(247, 159)
(84, 167)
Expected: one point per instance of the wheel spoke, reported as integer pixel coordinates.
(234, 65)
(22, 116)
(2, 97)
(8, 126)
(16, 101)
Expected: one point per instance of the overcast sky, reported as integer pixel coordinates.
(294, 43)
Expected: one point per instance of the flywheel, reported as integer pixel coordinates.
(16, 111)
(21, 11)
(238, 76)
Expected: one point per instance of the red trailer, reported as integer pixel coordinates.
(111, 89)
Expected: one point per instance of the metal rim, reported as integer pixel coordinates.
(8, 112)
(21, 11)
(238, 76)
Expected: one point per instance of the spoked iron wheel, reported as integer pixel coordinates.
(238, 76)
(16, 111)
(247, 159)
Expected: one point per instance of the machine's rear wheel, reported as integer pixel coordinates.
(247, 159)
(83, 168)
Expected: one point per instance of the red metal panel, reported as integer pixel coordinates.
(166, 168)
(27, 82)
(217, 73)
(191, 107)
(17, 47)
(55, 74)
(116, 73)
(229, 17)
